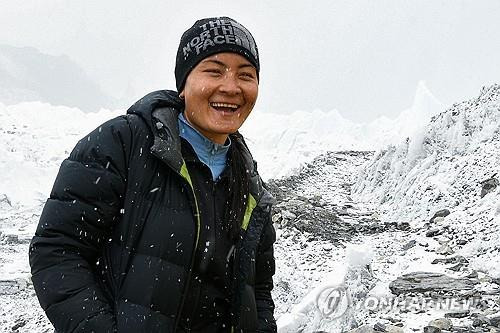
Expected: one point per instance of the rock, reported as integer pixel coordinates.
(445, 250)
(464, 329)
(472, 275)
(403, 226)
(461, 242)
(451, 260)
(393, 329)
(434, 232)
(296, 203)
(457, 314)
(13, 239)
(441, 323)
(489, 185)
(363, 329)
(456, 268)
(480, 321)
(288, 215)
(438, 220)
(11, 287)
(443, 239)
(378, 327)
(496, 280)
(439, 213)
(495, 321)
(391, 260)
(409, 245)
(5, 199)
(431, 329)
(421, 282)
(19, 323)
(342, 212)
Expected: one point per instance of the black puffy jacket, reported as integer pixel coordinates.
(115, 244)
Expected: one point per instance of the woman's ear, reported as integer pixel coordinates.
(181, 95)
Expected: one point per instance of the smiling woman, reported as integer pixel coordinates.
(158, 220)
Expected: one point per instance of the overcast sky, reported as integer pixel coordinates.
(363, 58)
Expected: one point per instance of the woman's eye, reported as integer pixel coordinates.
(213, 71)
(247, 76)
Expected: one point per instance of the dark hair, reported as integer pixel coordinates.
(239, 185)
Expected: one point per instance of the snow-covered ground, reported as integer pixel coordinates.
(450, 165)
(439, 166)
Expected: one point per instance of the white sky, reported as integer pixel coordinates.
(363, 58)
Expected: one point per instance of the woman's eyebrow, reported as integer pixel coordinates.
(220, 63)
(246, 65)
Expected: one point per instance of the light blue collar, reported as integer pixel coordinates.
(214, 155)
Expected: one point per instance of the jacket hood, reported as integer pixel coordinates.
(157, 99)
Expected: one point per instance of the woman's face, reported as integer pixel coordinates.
(220, 93)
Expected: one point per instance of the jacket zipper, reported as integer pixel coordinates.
(236, 258)
(197, 300)
(187, 178)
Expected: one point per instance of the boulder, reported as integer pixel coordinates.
(393, 329)
(409, 245)
(363, 329)
(422, 282)
(481, 321)
(434, 232)
(489, 185)
(457, 314)
(451, 260)
(431, 329)
(445, 250)
(440, 213)
(441, 323)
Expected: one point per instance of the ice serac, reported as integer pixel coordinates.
(425, 105)
(445, 166)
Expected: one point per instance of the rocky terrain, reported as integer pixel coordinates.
(316, 218)
(434, 263)
(19, 308)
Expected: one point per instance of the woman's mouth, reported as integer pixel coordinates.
(226, 107)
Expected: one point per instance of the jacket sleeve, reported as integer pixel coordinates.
(265, 268)
(84, 203)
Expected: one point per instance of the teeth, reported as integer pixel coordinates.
(224, 105)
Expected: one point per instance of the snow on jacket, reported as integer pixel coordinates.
(115, 243)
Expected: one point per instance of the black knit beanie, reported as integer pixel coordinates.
(210, 36)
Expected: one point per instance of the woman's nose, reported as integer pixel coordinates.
(230, 84)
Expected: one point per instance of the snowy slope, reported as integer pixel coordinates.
(443, 167)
